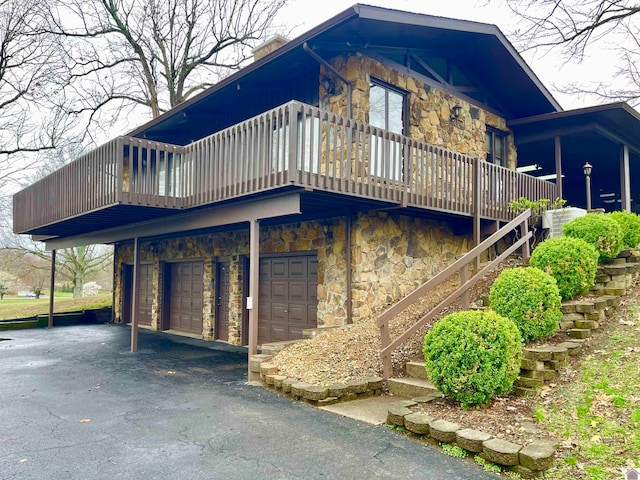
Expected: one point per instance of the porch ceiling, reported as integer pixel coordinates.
(594, 135)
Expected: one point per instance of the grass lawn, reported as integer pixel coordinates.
(596, 415)
(19, 307)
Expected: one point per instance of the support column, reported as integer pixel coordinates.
(558, 156)
(135, 307)
(254, 266)
(52, 287)
(625, 180)
(477, 209)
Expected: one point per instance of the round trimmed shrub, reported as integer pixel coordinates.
(601, 231)
(571, 261)
(530, 298)
(630, 225)
(472, 356)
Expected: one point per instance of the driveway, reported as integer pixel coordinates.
(76, 404)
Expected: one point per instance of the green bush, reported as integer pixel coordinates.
(571, 261)
(630, 225)
(473, 356)
(530, 298)
(601, 231)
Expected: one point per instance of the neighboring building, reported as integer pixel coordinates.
(346, 166)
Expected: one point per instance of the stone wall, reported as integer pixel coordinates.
(429, 108)
(391, 255)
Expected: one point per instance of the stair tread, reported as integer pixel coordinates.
(413, 381)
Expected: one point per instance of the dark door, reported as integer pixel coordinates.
(145, 294)
(288, 297)
(186, 297)
(222, 301)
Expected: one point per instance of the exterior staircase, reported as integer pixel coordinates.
(416, 385)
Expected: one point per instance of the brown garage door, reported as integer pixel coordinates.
(185, 298)
(145, 295)
(288, 300)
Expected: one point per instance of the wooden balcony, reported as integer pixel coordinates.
(294, 145)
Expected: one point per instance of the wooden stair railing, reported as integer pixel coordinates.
(460, 266)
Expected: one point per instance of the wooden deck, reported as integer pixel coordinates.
(294, 145)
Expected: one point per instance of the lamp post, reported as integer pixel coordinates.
(586, 169)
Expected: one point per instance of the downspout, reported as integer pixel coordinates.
(349, 280)
(322, 61)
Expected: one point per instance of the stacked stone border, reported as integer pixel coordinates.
(527, 460)
(317, 395)
(544, 363)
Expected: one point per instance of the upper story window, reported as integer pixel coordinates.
(386, 111)
(496, 144)
(386, 107)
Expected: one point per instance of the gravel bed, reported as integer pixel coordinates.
(338, 355)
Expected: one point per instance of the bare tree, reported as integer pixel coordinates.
(155, 53)
(33, 73)
(575, 26)
(78, 263)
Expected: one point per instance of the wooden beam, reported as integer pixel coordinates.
(254, 266)
(135, 304)
(625, 180)
(277, 206)
(52, 287)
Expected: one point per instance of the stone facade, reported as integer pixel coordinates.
(429, 108)
(391, 255)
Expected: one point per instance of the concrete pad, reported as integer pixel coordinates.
(371, 410)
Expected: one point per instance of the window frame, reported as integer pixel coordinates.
(496, 135)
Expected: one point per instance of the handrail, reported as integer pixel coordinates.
(459, 266)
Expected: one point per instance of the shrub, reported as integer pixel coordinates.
(630, 225)
(473, 356)
(571, 261)
(601, 231)
(530, 298)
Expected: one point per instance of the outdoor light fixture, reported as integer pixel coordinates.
(456, 111)
(586, 169)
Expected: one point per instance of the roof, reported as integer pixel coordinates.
(618, 122)
(482, 48)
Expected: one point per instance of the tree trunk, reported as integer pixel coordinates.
(78, 283)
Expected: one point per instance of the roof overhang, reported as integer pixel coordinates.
(482, 48)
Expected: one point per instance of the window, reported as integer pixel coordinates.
(386, 111)
(496, 143)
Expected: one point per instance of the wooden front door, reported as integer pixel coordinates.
(186, 297)
(145, 294)
(222, 301)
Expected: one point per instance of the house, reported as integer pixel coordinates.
(327, 179)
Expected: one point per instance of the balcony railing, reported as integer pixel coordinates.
(292, 145)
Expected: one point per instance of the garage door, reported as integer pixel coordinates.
(288, 300)
(145, 294)
(185, 298)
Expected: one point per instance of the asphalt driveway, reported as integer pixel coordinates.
(76, 404)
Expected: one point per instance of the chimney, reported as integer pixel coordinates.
(268, 46)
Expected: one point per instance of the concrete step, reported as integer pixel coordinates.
(410, 387)
(416, 370)
(275, 347)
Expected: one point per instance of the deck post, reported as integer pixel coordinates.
(625, 181)
(252, 301)
(477, 209)
(134, 295)
(52, 287)
(558, 156)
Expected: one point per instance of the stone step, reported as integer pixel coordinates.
(410, 387)
(579, 333)
(416, 370)
(275, 347)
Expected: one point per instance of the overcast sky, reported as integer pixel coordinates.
(552, 69)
